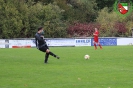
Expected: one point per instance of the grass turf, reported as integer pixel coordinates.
(111, 67)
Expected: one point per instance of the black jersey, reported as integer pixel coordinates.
(40, 42)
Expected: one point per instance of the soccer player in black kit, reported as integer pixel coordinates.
(42, 46)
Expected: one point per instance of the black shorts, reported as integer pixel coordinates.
(43, 48)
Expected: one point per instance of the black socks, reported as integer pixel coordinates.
(46, 57)
(52, 54)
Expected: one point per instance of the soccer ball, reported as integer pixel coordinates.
(86, 57)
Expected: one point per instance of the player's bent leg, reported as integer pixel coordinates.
(47, 50)
(52, 54)
(44, 49)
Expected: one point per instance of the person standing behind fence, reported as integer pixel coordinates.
(42, 46)
(95, 41)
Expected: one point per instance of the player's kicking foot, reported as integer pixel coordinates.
(57, 57)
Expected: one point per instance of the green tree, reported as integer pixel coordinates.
(44, 1)
(11, 23)
(107, 21)
(82, 10)
(19, 19)
(129, 24)
(54, 25)
(36, 18)
(105, 3)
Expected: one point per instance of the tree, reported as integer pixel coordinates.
(54, 25)
(44, 1)
(11, 23)
(19, 19)
(78, 10)
(129, 24)
(112, 24)
(105, 3)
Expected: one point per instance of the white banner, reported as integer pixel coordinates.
(124, 41)
(57, 42)
(82, 42)
(61, 42)
(2, 43)
(32, 43)
(20, 43)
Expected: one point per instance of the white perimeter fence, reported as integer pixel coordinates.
(30, 42)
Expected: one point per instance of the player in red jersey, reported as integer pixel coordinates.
(95, 41)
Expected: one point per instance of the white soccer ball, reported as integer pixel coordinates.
(86, 57)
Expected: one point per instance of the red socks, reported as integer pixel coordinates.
(95, 46)
(100, 46)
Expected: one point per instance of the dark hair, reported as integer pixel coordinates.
(40, 28)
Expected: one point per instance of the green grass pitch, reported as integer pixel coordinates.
(111, 67)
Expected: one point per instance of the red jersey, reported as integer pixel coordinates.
(96, 36)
